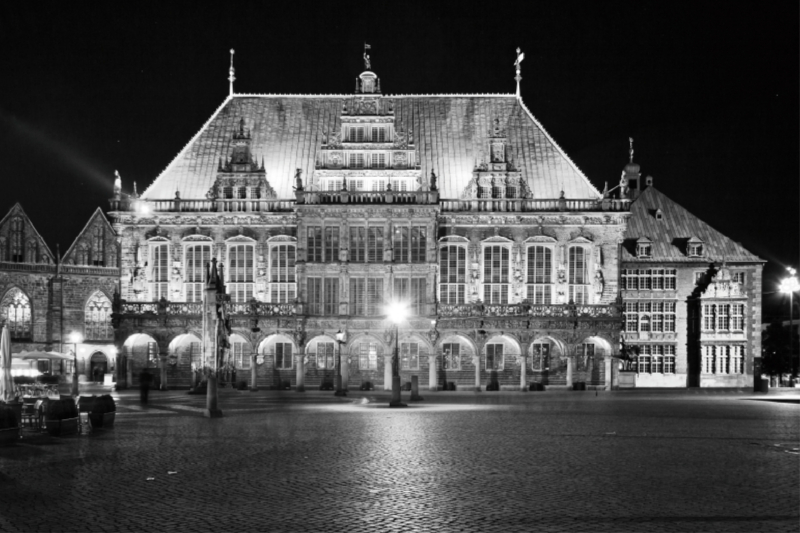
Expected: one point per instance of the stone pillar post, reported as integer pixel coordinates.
(345, 370)
(387, 372)
(570, 364)
(608, 371)
(253, 373)
(432, 374)
(476, 360)
(162, 363)
(301, 373)
(523, 373)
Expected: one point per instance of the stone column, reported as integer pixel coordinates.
(253, 373)
(163, 370)
(432, 377)
(523, 375)
(387, 372)
(570, 364)
(608, 371)
(301, 373)
(476, 360)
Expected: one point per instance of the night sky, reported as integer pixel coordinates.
(709, 92)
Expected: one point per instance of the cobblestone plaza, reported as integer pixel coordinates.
(282, 461)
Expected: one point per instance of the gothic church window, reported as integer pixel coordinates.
(98, 247)
(16, 234)
(97, 318)
(17, 310)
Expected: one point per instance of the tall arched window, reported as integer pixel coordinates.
(453, 274)
(540, 275)
(495, 274)
(159, 261)
(196, 257)
(17, 247)
(97, 318)
(281, 273)
(240, 272)
(17, 310)
(30, 251)
(98, 247)
(578, 275)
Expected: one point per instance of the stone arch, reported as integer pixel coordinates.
(320, 352)
(141, 350)
(504, 358)
(449, 361)
(412, 358)
(187, 348)
(17, 310)
(365, 352)
(99, 365)
(590, 354)
(240, 354)
(544, 350)
(279, 351)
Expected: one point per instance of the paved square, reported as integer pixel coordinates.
(286, 461)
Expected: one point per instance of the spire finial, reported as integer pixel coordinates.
(630, 150)
(367, 63)
(232, 71)
(518, 67)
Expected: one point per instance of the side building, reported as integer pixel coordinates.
(64, 306)
(691, 296)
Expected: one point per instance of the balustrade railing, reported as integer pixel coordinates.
(220, 205)
(367, 197)
(550, 311)
(534, 205)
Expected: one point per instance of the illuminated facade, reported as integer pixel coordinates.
(514, 268)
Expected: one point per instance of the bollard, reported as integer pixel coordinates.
(415, 397)
(211, 399)
(253, 376)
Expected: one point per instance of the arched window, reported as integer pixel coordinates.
(282, 274)
(496, 267)
(159, 278)
(367, 354)
(98, 247)
(16, 240)
(578, 275)
(196, 257)
(453, 270)
(540, 275)
(240, 272)
(30, 251)
(3, 249)
(17, 310)
(81, 256)
(97, 318)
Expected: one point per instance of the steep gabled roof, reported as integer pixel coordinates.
(97, 218)
(450, 133)
(671, 234)
(29, 231)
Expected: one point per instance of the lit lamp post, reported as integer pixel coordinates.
(397, 312)
(75, 338)
(340, 336)
(789, 286)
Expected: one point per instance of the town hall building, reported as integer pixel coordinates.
(316, 212)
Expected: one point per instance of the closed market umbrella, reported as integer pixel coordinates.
(6, 381)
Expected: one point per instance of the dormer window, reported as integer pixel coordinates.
(644, 248)
(659, 214)
(694, 248)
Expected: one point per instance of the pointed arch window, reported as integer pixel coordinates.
(30, 251)
(17, 310)
(81, 256)
(3, 249)
(98, 247)
(97, 318)
(16, 246)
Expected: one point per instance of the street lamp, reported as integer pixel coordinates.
(789, 286)
(340, 336)
(75, 338)
(397, 312)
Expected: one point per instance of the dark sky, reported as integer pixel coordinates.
(709, 91)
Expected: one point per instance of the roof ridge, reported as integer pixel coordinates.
(560, 150)
(188, 144)
(335, 95)
(85, 227)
